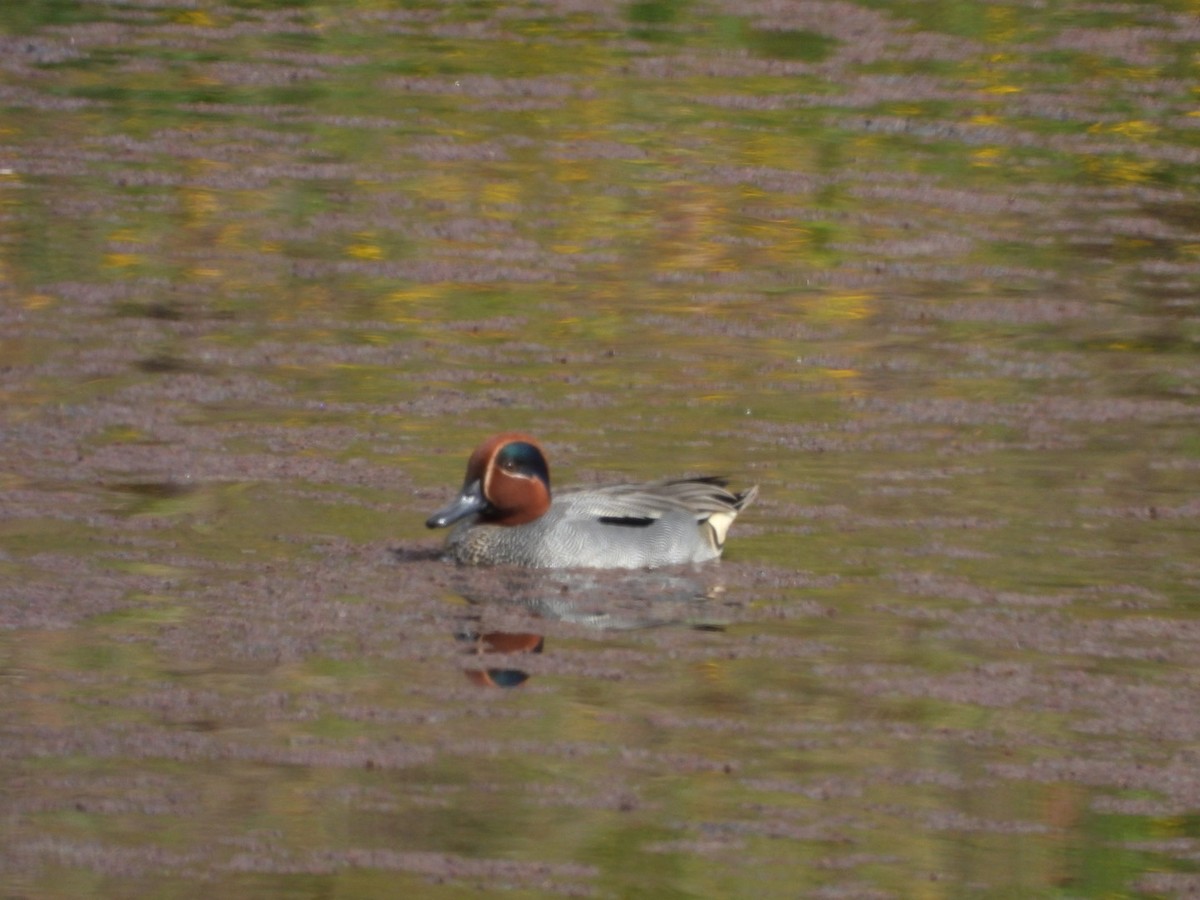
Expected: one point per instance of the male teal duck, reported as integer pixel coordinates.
(506, 516)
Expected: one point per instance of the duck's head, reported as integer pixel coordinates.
(507, 483)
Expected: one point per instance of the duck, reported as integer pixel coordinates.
(506, 515)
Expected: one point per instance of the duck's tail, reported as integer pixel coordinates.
(720, 520)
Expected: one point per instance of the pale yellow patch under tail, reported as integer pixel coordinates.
(719, 522)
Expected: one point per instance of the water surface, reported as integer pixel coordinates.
(927, 273)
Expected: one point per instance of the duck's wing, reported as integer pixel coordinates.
(642, 504)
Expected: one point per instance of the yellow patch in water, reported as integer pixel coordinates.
(365, 251)
(196, 17)
(986, 156)
(500, 193)
(1124, 170)
(415, 294)
(199, 202)
(155, 570)
(843, 305)
(1135, 129)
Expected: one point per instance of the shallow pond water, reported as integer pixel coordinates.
(926, 273)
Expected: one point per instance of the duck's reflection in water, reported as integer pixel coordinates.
(500, 642)
(602, 600)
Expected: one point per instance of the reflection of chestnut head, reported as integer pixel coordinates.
(506, 642)
(501, 642)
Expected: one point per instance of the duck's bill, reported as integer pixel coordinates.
(470, 502)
